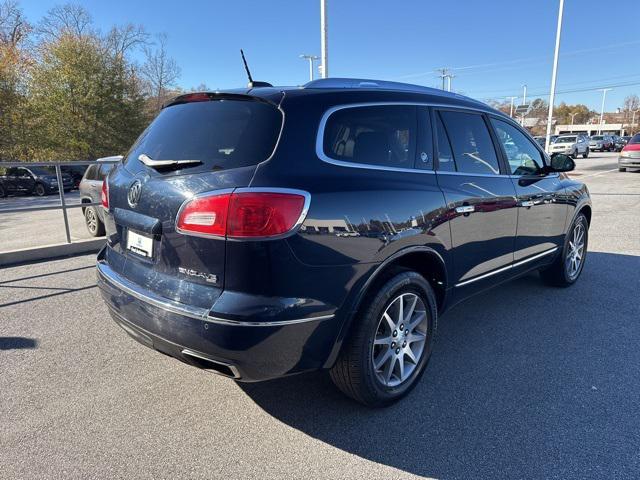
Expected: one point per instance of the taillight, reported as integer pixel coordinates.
(104, 195)
(243, 214)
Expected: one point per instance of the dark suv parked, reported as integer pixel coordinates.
(32, 180)
(264, 232)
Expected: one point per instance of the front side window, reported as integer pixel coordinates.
(473, 150)
(523, 157)
(372, 135)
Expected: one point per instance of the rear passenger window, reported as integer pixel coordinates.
(90, 174)
(473, 150)
(376, 135)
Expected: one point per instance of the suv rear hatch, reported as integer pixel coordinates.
(198, 143)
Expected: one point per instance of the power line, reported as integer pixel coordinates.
(577, 90)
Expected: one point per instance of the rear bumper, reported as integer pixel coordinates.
(246, 350)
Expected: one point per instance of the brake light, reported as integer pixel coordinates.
(245, 214)
(205, 215)
(104, 195)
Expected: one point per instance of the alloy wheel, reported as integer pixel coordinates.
(400, 339)
(575, 254)
(92, 220)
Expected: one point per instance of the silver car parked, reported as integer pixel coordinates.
(90, 192)
(573, 145)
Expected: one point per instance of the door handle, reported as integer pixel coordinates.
(466, 209)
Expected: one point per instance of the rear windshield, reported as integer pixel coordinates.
(635, 138)
(221, 133)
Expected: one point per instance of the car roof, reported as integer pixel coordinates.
(344, 87)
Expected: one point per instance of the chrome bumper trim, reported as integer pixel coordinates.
(107, 275)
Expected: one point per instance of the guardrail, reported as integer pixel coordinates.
(63, 205)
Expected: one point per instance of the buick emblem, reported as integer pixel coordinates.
(134, 193)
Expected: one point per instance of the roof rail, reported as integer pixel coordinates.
(364, 83)
(367, 83)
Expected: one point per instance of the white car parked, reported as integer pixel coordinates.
(573, 145)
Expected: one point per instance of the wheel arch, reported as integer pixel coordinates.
(422, 259)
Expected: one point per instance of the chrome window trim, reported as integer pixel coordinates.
(367, 166)
(107, 275)
(508, 267)
(296, 226)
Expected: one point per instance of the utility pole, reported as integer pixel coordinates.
(604, 95)
(443, 74)
(324, 47)
(511, 112)
(633, 117)
(311, 59)
(449, 77)
(554, 75)
(524, 94)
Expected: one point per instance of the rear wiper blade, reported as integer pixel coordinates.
(150, 162)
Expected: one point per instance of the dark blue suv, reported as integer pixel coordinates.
(267, 231)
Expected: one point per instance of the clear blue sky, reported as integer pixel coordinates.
(495, 45)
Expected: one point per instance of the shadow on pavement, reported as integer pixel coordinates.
(526, 381)
(17, 343)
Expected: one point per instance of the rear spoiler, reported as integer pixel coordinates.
(211, 96)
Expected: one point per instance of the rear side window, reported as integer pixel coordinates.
(376, 135)
(473, 150)
(221, 133)
(90, 174)
(635, 139)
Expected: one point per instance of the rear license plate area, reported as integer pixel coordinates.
(140, 244)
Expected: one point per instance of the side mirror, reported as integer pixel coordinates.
(561, 163)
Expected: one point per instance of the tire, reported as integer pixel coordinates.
(354, 372)
(574, 154)
(39, 190)
(563, 272)
(3, 192)
(622, 169)
(586, 153)
(94, 226)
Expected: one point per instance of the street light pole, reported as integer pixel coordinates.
(604, 95)
(572, 117)
(524, 94)
(324, 47)
(554, 75)
(311, 59)
(511, 112)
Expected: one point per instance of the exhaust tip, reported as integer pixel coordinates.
(202, 361)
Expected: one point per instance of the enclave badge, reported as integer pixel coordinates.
(209, 277)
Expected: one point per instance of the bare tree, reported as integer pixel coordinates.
(121, 39)
(13, 25)
(68, 19)
(160, 71)
(631, 103)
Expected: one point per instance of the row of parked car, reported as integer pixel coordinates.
(581, 144)
(38, 181)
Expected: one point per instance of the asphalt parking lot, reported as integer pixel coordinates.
(33, 229)
(525, 381)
